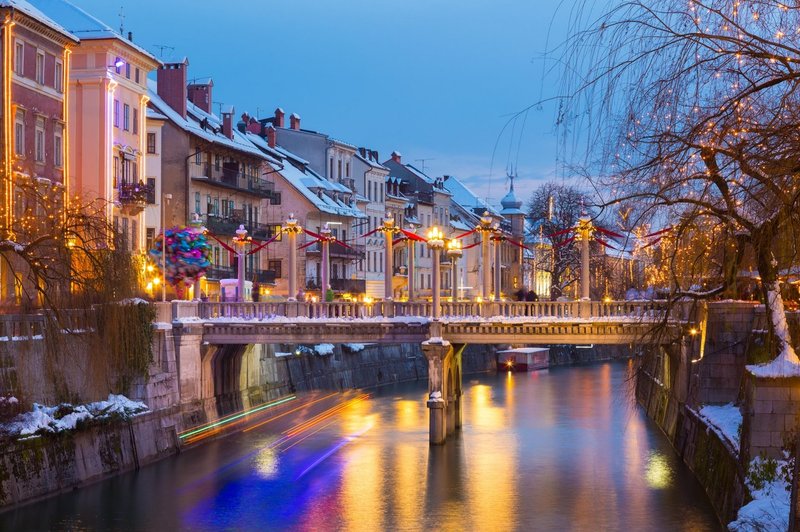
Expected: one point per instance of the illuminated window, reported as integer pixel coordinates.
(40, 67)
(197, 202)
(19, 58)
(59, 76)
(39, 140)
(58, 146)
(19, 134)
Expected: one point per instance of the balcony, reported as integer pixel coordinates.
(354, 286)
(229, 272)
(354, 252)
(133, 197)
(232, 179)
(227, 226)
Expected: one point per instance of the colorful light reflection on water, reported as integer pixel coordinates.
(557, 450)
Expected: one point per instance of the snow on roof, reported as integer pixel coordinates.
(201, 81)
(152, 114)
(82, 24)
(29, 9)
(465, 197)
(370, 162)
(458, 225)
(192, 124)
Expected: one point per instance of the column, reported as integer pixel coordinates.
(436, 243)
(412, 259)
(498, 261)
(585, 230)
(324, 269)
(240, 240)
(454, 252)
(485, 229)
(437, 352)
(292, 229)
(388, 234)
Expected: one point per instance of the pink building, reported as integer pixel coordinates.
(107, 103)
(35, 72)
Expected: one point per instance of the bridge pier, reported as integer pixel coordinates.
(444, 388)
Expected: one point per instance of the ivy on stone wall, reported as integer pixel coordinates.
(126, 331)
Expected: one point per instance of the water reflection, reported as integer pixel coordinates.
(563, 449)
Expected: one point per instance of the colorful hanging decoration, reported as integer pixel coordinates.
(188, 255)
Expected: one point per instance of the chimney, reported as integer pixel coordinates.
(130, 36)
(199, 92)
(254, 126)
(294, 121)
(171, 78)
(271, 135)
(363, 152)
(227, 122)
(279, 114)
(396, 157)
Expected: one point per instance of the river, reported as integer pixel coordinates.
(561, 449)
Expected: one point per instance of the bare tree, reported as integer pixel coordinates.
(691, 110)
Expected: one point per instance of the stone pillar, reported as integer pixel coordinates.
(584, 234)
(240, 240)
(324, 269)
(388, 234)
(292, 229)
(485, 229)
(412, 250)
(498, 262)
(438, 352)
(436, 243)
(454, 252)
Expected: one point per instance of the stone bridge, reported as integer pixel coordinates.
(203, 330)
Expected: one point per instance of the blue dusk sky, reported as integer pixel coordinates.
(434, 80)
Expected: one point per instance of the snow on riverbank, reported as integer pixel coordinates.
(769, 509)
(66, 416)
(725, 420)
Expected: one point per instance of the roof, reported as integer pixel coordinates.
(466, 198)
(30, 10)
(370, 162)
(152, 114)
(195, 117)
(82, 24)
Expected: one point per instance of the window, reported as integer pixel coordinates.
(275, 266)
(134, 235)
(19, 134)
(216, 162)
(128, 70)
(275, 199)
(19, 58)
(197, 157)
(125, 240)
(275, 229)
(116, 113)
(137, 76)
(339, 168)
(151, 143)
(58, 146)
(116, 170)
(347, 170)
(216, 206)
(330, 173)
(135, 121)
(126, 117)
(197, 202)
(150, 237)
(151, 191)
(59, 76)
(209, 207)
(38, 141)
(40, 67)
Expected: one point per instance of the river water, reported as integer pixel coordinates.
(561, 449)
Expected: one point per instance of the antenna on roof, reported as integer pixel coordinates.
(423, 162)
(121, 20)
(219, 107)
(161, 48)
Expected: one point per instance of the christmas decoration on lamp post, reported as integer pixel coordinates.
(292, 229)
(436, 243)
(454, 251)
(240, 241)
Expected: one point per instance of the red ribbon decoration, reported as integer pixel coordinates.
(265, 244)
(562, 232)
(401, 239)
(312, 233)
(307, 244)
(223, 244)
(656, 241)
(518, 244)
(464, 234)
(606, 232)
(412, 236)
(606, 244)
(564, 243)
(665, 230)
(471, 245)
(337, 241)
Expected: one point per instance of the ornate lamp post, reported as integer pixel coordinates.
(455, 252)
(436, 243)
(498, 239)
(292, 229)
(485, 229)
(164, 201)
(327, 237)
(240, 241)
(388, 230)
(412, 259)
(584, 236)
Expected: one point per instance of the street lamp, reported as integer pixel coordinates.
(436, 243)
(486, 230)
(292, 229)
(240, 241)
(455, 252)
(164, 201)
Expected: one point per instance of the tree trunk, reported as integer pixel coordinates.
(778, 338)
